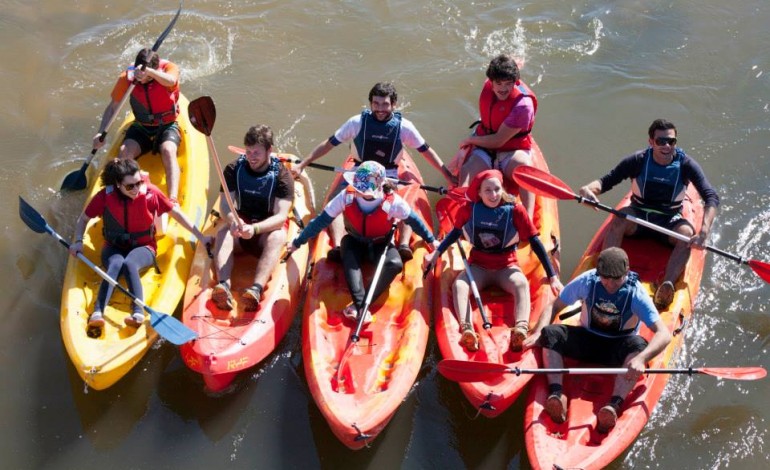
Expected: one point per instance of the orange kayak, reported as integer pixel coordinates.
(494, 396)
(225, 347)
(575, 443)
(384, 363)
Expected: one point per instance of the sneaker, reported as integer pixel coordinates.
(334, 255)
(405, 252)
(664, 295)
(556, 407)
(222, 297)
(469, 339)
(251, 298)
(606, 418)
(96, 320)
(135, 320)
(518, 335)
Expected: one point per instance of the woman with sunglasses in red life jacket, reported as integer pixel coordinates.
(494, 223)
(128, 205)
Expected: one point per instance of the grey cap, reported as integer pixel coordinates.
(612, 262)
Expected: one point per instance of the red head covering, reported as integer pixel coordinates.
(473, 190)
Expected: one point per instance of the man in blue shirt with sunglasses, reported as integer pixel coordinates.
(659, 177)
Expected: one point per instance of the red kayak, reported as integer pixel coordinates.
(494, 396)
(576, 443)
(384, 363)
(225, 347)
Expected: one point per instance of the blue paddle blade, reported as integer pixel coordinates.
(170, 328)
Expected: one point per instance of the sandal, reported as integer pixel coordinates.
(251, 298)
(135, 320)
(469, 339)
(96, 320)
(518, 335)
(222, 297)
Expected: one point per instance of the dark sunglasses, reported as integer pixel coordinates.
(661, 141)
(131, 186)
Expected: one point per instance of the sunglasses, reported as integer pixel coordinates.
(131, 186)
(661, 141)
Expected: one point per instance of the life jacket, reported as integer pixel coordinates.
(379, 141)
(374, 226)
(129, 223)
(493, 113)
(153, 104)
(610, 314)
(491, 230)
(255, 193)
(659, 187)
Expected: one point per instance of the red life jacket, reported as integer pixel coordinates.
(153, 104)
(493, 113)
(129, 223)
(374, 226)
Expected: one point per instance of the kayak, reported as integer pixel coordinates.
(384, 363)
(576, 443)
(224, 347)
(103, 360)
(492, 397)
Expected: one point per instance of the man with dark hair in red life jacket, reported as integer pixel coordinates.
(154, 102)
(502, 138)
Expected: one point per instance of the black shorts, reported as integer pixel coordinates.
(147, 136)
(668, 221)
(578, 343)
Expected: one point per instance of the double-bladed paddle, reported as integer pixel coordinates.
(166, 325)
(339, 169)
(367, 303)
(76, 180)
(548, 185)
(472, 371)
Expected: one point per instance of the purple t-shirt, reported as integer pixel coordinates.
(521, 115)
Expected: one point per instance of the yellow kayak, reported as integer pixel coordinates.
(101, 361)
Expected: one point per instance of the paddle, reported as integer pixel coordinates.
(76, 180)
(367, 303)
(166, 325)
(444, 213)
(203, 114)
(470, 371)
(548, 185)
(339, 169)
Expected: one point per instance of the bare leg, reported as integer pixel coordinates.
(473, 165)
(617, 230)
(168, 150)
(224, 254)
(462, 297)
(272, 244)
(129, 149)
(517, 285)
(680, 255)
(337, 231)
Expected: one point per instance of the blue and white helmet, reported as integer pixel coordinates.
(367, 179)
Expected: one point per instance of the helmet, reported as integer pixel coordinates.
(367, 179)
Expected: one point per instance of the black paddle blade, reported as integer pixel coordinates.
(165, 32)
(76, 180)
(203, 114)
(31, 217)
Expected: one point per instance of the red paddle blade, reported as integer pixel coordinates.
(236, 150)
(735, 373)
(203, 114)
(446, 212)
(762, 269)
(542, 183)
(469, 371)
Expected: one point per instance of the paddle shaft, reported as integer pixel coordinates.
(221, 176)
(126, 96)
(474, 288)
(339, 169)
(375, 279)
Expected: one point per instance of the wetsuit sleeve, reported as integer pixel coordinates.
(312, 229)
(629, 167)
(542, 255)
(693, 172)
(414, 221)
(451, 237)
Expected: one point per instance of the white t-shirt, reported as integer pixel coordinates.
(410, 136)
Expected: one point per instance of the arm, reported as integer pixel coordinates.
(312, 230)
(177, 214)
(542, 255)
(430, 259)
(109, 111)
(710, 198)
(544, 320)
(660, 339)
(271, 223)
(432, 157)
(414, 221)
(76, 245)
(628, 167)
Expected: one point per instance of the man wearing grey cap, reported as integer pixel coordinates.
(615, 305)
